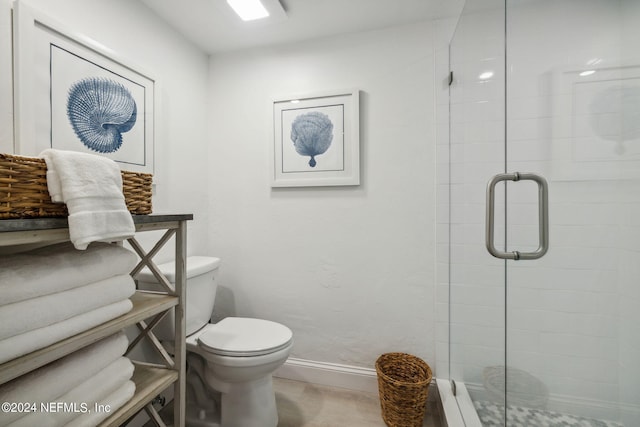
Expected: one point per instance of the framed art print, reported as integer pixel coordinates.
(316, 140)
(71, 93)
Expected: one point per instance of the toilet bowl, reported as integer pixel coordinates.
(230, 363)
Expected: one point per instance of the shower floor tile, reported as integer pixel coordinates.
(491, 415)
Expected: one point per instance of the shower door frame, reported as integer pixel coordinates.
(468, 109)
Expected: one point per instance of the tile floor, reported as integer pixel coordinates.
(309, 405)
(303, 404)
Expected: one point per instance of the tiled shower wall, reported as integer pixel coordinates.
(572, 318)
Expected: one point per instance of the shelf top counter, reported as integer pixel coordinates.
(30, 224)
(33, 230)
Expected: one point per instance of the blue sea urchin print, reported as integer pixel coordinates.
(312, 134)
(100, 111)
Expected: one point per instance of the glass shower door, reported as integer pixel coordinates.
(476, 152)
(572, 109)
(549, 87)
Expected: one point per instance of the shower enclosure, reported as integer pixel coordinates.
(540, 207)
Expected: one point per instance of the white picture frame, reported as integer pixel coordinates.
(63, 80)
(316, 140)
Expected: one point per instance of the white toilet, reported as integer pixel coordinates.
(229, 363)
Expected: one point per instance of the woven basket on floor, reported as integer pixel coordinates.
(403, 384)
(24, 193)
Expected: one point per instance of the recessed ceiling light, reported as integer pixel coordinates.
(258, 10)
(249, 10)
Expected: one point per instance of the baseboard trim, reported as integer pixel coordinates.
(337, 375)
(329, 374)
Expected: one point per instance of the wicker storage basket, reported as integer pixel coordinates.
(24, 193)
(403, 384)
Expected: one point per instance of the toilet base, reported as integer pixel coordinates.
(195, 416)
(212, 402)
(249, 404)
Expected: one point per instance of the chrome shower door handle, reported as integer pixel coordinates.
(543, 216)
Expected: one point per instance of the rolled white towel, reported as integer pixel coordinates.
(35, 313)
(91, 186)
(95, 389)
(19, 345)
(106, 407)
(60, 267)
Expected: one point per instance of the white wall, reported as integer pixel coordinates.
(138, 35)
(349, 269)
(6, 82)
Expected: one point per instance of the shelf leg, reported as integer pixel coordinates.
(180, 325)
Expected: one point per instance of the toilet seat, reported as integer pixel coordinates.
(244, 337)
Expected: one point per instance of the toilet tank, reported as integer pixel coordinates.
(201, 293)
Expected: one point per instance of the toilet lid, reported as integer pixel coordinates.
(242, 336)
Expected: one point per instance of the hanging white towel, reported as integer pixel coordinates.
(22, 344)
(91, 186)
(35, 313)
(95, 389)
(59, 377)
(60, 267)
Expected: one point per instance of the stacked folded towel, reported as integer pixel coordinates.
(35, 313)
(60, 267)
(75, 389)
(91, 186)
(55, 292)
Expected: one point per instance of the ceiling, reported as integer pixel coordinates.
(211, 26)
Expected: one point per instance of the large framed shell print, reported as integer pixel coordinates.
(72, 93)
(316, 140)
